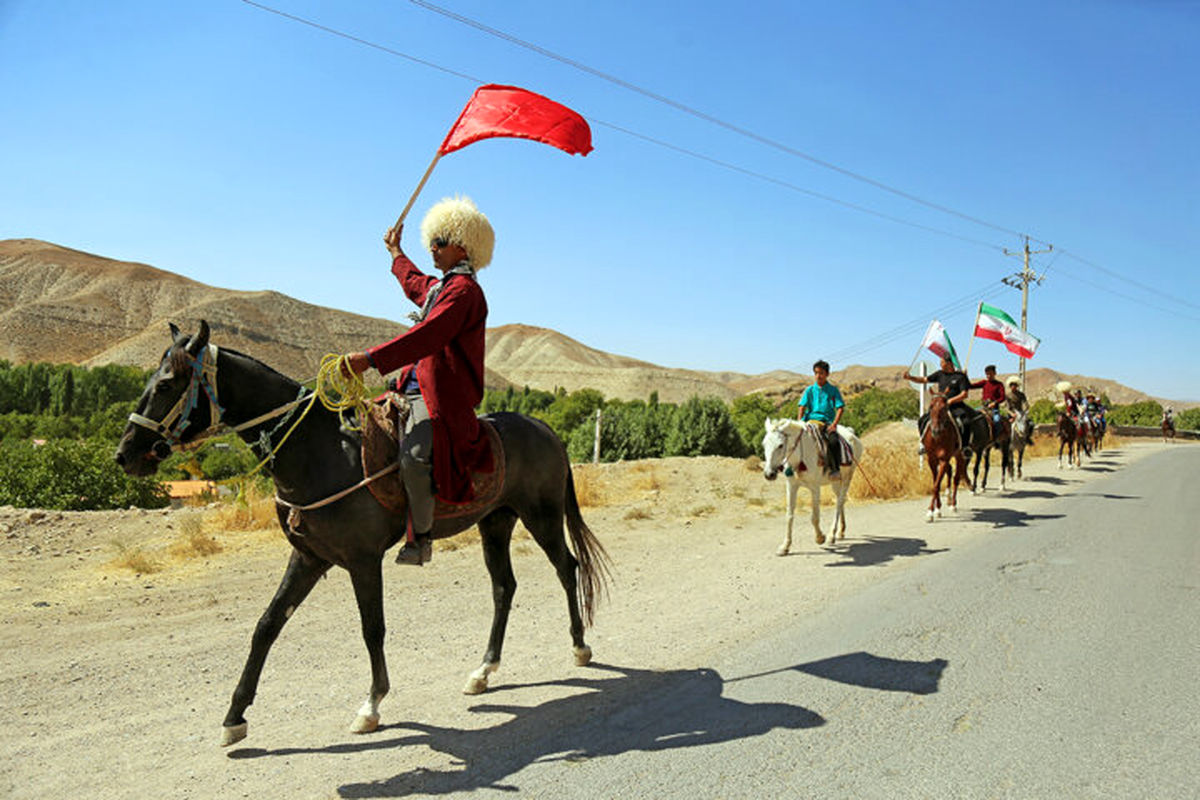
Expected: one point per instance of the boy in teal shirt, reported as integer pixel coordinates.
(822, 405)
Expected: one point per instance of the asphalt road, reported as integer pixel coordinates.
(1058, 658)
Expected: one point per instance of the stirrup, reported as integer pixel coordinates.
(418, 552)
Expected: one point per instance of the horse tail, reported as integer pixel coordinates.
(594, 563)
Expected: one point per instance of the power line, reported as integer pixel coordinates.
(729, 126)
(649, 139)
(1144, 287)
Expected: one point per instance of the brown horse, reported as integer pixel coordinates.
(1168, 429)
(943, 450)
(1068, 433)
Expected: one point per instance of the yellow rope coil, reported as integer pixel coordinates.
(338, 390)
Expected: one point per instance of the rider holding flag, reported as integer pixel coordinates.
(954, 386)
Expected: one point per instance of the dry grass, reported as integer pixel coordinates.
(253, 510)
(638, 512)
(192, 541)
(135, 559)
(890, 471)
(589, 488)
(646, 478)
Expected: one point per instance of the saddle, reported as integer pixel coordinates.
(382, 431)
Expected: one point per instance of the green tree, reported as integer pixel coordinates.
(1147, 412)
(749, 413)
(703, 426)
(875, 406)
(1188, 420)
(1043, 411)
(570, 410)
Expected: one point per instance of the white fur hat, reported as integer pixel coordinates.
(457, 220)
(1062, 386)
(1013, 379)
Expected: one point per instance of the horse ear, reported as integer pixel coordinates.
(174, 331)
(199, 341)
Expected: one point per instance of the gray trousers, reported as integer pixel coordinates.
(416, 464)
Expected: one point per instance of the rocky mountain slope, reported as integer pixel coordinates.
(63, 305)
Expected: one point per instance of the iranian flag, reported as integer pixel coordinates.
(992, 323)
(938, 341)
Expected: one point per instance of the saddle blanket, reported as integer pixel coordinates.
(382, 429)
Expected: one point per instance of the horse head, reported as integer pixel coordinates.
(171, 410)
(775, 446)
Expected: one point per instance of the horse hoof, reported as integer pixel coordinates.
(583, 656)
(782, 551)
(233, 733)
(929, 516)
(475, 685)
(366, 723)
(820, 538)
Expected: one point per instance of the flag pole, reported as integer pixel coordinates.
(417, 191)
(971, 344)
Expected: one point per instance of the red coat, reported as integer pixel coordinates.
(446, 349)
(993, 391)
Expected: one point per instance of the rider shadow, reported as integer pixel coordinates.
(1008, 517)
(637, 710)
(879, 550)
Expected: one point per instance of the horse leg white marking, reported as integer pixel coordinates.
(231, 734)
(791, 517)
(368, 717)
(583, 655)
(477, 683)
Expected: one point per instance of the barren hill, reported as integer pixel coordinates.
(63, 305)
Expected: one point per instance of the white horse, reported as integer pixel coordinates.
(795, 444)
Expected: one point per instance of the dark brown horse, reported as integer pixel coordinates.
(1168, 429)
(943, 451)
(198, 388)
(1001, 439)
(1068, 434)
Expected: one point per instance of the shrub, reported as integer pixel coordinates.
(1188, 420)
(703, 427)
(1147, 412)
(73, 476)
(874, 407)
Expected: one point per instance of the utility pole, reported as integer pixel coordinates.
(1021, 281)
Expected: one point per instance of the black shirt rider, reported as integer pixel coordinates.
(951, 384)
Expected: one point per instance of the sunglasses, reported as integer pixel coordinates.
(440, 242)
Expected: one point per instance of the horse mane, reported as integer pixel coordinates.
(785, 425)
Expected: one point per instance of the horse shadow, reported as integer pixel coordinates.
(1008, 517)
(1050, 479)
(625, 711)
(1098, 468)
(630, 710)
(1029, 494)
(879, 550)
(1108, 496)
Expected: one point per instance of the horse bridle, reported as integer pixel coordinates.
(204, 379)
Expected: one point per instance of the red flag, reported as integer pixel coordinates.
(509, 111)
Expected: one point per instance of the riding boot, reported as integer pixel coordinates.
(832, 454)
(417, 552)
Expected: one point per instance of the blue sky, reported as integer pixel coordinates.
(249, 151)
